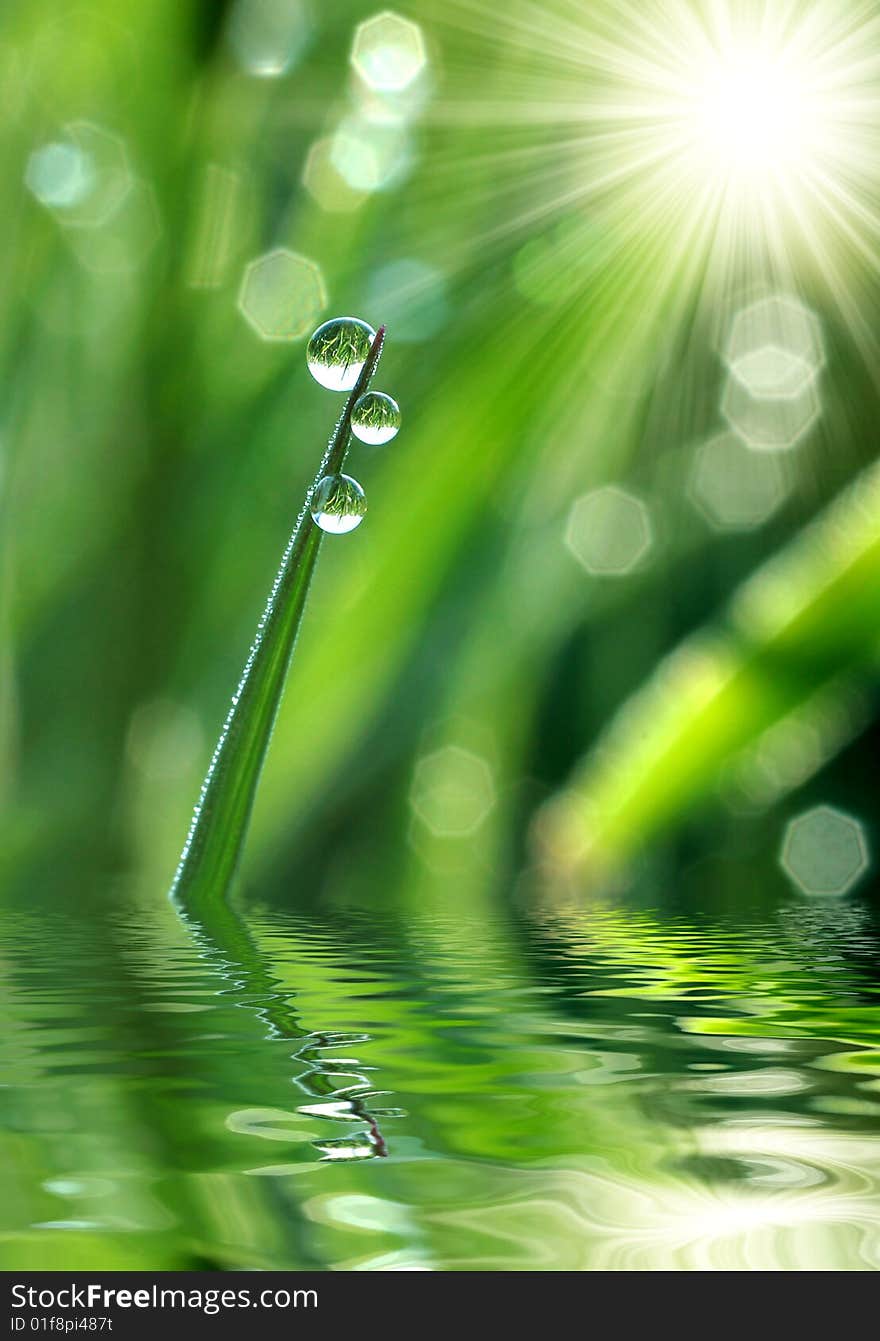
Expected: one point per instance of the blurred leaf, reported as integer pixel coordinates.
(805, 618)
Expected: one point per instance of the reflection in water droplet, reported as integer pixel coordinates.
(338, 504)
(338, 351)
(344, 1082)
(346, 1147)
(375, 418)
(340, 1110)
(334, 1040)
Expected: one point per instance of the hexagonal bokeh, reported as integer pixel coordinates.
(370, 158)
(59, 175)
(549, 263)
(412, 297)
(609, 531)
(381, 107)
(282, 295)
(774, 347)
(824, 851)
(770, 425)
(164, 739)
(734, 487)
(267, 37)
(109, 175)
(127, 239)
(324, 182)
(388, 52)
(452, 791)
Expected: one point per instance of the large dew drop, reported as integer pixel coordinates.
(375, 418)
(338, 504)
(338, 351)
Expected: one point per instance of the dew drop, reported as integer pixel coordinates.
(338, 351)
(338, 504)
(375, 418)
(346, 1147)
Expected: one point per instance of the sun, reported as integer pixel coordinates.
(745, 133)
(756, 119)
(712, 147)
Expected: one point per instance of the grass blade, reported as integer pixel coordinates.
(219, 824)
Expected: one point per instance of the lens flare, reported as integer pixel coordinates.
(754, 119)
(758, 113)
(723, 147)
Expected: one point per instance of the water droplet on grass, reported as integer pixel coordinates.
(346, 1147)
(338, 504)
(338, 351)
(375, 418)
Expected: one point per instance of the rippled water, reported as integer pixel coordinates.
(602, 1089)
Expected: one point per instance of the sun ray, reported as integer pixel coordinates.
(746, 127)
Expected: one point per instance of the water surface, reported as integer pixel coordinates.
(606, 1088)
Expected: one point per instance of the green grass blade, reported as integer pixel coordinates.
(220, 820)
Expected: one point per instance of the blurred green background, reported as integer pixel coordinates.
(186, 212)
(609, 630)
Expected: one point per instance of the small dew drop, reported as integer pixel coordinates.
(375, 418)
(338, 504)
(338, 351)
(346, 1147)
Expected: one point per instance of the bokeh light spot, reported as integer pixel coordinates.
(452, 791)
(609, 531)
(267, 37)
(388, 52)
(127, 239)
(411, 296)
(59, 175)
(774, 347)
(164, 739)
(770, 424)
(282, 295)
(735, 488)
(109, 178)
(370, 157)
(325, 183)
(824, 851)
(547, 267)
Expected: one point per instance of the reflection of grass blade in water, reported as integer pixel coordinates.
(219, 824)
(223, 931)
